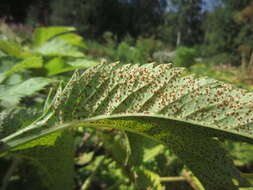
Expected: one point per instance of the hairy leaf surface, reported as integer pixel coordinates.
(162, 103)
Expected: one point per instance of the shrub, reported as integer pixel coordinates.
(185, 56)
(128, 54)
(147, 46)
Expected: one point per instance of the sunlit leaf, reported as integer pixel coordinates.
(164, 104)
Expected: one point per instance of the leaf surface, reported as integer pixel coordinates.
(43, 34)
(28, 63)
(55, 163)
(58, 47)
(59, 65)
(11, 95)
(163, 103)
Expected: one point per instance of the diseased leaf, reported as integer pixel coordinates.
(161, 103)
(159, 90)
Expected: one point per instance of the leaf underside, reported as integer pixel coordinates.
(163, 103)
(157, 91)
(190, 111)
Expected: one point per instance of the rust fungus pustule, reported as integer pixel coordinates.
(156, 89)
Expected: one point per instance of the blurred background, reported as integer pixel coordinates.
(217, 32)
(211, 38)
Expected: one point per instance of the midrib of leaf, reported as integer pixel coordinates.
(116, 90)
(173, 133)
(130, 122)
(108, 90)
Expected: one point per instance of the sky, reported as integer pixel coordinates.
(209, 4)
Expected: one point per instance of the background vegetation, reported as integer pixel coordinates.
(209, 38)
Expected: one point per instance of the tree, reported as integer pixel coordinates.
(14, 11)
(188, 21)
(121, 17)
(223, 32)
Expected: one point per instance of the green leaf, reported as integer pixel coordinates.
(57, 47)
(13, 49)
(161, 103)
(73, 39)
(82, 63)
(242, 153)
(55, 163)
(118, 146)
(43, 34)
(58, 65)
(8, 33)
(248, 176)
(11, 95)
(147, 179)
(28, 63)
(13, 119)
(142, 148)
(96, 164)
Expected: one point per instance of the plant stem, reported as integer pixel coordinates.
(172, 179)
(190, 180)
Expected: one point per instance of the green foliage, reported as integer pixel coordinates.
(147, 47)
(129, 54)
(48, 45)
(58, 47)
(148, 179)
(129, 158)
(221, 72)
(185, 57)
(29, 63)
(195, 109)
(54, 163)
(127, 51)
(52, 51)
(42, 35)
(11, 94)
(187, 21)
(133, 156)
(242, 153)
(13, 119)
(141, 114)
